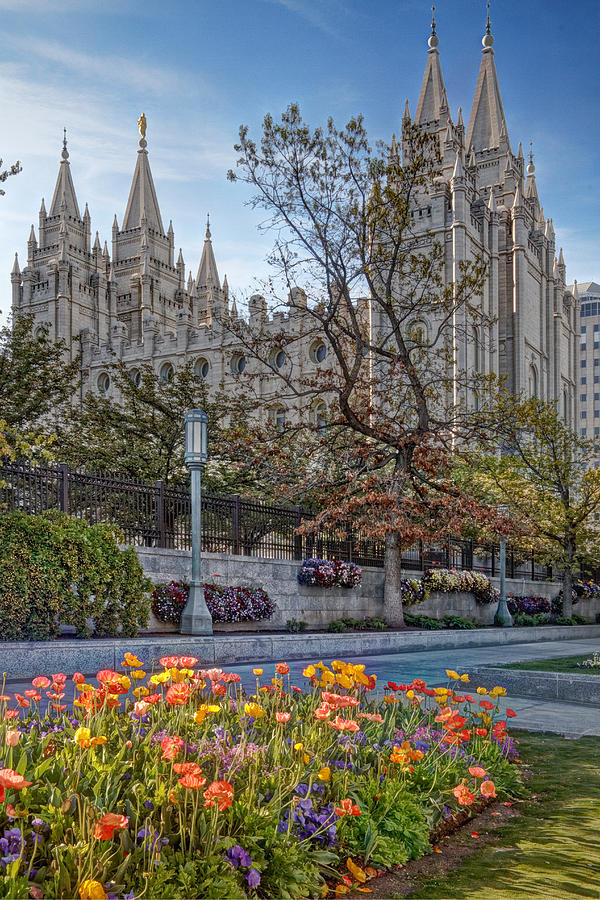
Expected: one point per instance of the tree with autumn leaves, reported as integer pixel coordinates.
(382, 413)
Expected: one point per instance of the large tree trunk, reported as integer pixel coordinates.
(567, 588)
(392, 590)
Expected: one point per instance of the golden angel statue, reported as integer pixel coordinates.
(142, 124)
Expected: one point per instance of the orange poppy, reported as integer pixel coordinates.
(347, 808)
(169, 662)
(188, 662)
(171, 746)
(178, 694)
(344, 724)
(41, 682)
(282, 668)
(464, 796)
(187, 768)
(219, 793)
(108, 824)
(488, 789)
(194, 781)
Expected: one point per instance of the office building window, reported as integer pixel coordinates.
(583, 379)
(583, 397)
(583, 432)
(583, 414)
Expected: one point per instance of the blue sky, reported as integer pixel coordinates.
(200, 69)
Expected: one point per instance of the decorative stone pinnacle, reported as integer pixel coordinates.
(208, 235)
(433, 38)
(65, 152)
(530, 167)
(488, 38)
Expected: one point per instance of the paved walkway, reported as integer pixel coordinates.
(562, 718)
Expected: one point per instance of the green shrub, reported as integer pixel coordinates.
(56, 567)
(430, 624)
(296, 625)
(337, 626)
(458, 622)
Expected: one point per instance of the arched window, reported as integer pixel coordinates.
(565, 405)
(279, 417)
(533, 381)
(136, 377)
(166, 372)
(103, 382)
(320, 416)
(201, 368)
(476, 350)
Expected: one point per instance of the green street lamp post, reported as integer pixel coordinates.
(503, 616)
(196, 618)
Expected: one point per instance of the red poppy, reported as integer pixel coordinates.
(22, 701)
(219, 793)
(178, 694)
(194, 781)
(510, 713)
(187, 662)
(231, 678)
(152, 698)
(282, 668)
(488, 789)
(59, 678)
(11, 714)
(219, 690)
(392, 686)
(464, 796)
(170, 746)
(297, 689)
(108, 824)
(41, 682)
(78, 678)
(187, 768)
(485, 704)
(170, 662)
(11, 779)
(32, 694)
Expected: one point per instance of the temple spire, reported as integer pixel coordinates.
(487, 123)
(432, 99)
(142, 202)
(207, 270)
(64, 201)
(531, 186)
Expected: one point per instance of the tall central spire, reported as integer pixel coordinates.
(433, 103)
(142, 203)
(487, 124)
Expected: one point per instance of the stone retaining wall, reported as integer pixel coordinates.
(318, 606)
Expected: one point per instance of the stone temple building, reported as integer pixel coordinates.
(134, 302)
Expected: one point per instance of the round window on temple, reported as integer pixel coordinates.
(238, 363)
(279, 358)
(103, 383)
(318, 352)
(201, 368)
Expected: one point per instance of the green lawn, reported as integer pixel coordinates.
(559, 664)
(552, 849)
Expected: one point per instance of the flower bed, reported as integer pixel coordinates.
(176, 784)
(329, 573)
(225, 604)
(447, 581)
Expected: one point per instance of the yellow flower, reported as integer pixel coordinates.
(481, 690)
(140, 692)
(389, 698)
(84, 687)
(360, 677)
(309, 671)
(306, 758)
(328, 677)
(98, 740)
(277, 682)
(254, 710)
(298, 746)
(82, 737)
(410, 694)
(257, 672)
(487, 720)
(160, 678)
(321, 665)
(132, 660)
(324, 774)
(344, 681)
(206, 708)
(498, 691)
(452, 674)
(338, 666)
(125, 681)
(441, 691)
(92, 890)
(138, 674)
(465, 678)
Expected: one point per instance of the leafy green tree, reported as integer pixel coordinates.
(139, 430)
(543, 475)
(351, 273)
(36, 388)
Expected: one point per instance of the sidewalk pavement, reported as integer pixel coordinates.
(569, 719)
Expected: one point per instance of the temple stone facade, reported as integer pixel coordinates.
(134, 302)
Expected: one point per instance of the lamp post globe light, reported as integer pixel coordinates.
(503, 616)
(195, 618)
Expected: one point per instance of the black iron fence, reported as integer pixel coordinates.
(158, 515)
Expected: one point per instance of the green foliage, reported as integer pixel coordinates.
(35, 381)
(56, 566)
(391, 829)
(294, 626)
(375, 623)
(181, 877)
(430, 624)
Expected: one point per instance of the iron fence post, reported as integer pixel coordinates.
(235, 524)
(160, 515)
(63, 488)
(297, 537)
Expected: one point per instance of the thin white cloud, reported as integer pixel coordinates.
(322, 14)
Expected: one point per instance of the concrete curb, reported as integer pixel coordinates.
(565, 686)
(28, 659)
